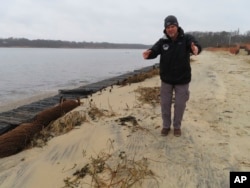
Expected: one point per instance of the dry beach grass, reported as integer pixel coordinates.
(114, 138)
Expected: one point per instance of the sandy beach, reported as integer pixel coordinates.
(118, 142)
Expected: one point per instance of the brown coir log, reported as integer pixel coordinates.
(17, 139)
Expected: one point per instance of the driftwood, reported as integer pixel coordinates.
(19, 138)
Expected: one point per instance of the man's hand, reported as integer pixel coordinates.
(194, 49)
(146, 54)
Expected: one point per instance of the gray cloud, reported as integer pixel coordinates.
(140, 21)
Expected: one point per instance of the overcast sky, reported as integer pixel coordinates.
(117, 21)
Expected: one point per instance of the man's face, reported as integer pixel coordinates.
(172, 31)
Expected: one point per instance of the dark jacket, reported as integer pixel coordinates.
(175, 57)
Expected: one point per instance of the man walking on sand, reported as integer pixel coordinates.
(174, 49)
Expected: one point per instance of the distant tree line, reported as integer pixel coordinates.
(206, 39)
(221, 39)
(41, 43)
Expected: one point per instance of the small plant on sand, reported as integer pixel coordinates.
(95, 113)
(149, 95)
(132, 123)
(112, 170)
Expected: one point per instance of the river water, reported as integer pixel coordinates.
(30, 74)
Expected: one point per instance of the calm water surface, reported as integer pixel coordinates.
(29, 74)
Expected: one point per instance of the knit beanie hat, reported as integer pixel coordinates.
(170, 20)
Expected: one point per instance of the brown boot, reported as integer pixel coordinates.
(177, 132)
(165, 131)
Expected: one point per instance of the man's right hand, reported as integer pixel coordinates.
(194, 49)
(146, 54)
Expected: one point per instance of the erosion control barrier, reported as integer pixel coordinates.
(19, 138)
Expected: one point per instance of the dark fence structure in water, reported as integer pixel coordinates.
(17, 126)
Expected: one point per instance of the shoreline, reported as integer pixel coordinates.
(10, 117)
(118, 130)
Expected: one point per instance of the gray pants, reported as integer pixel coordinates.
(181, 93)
